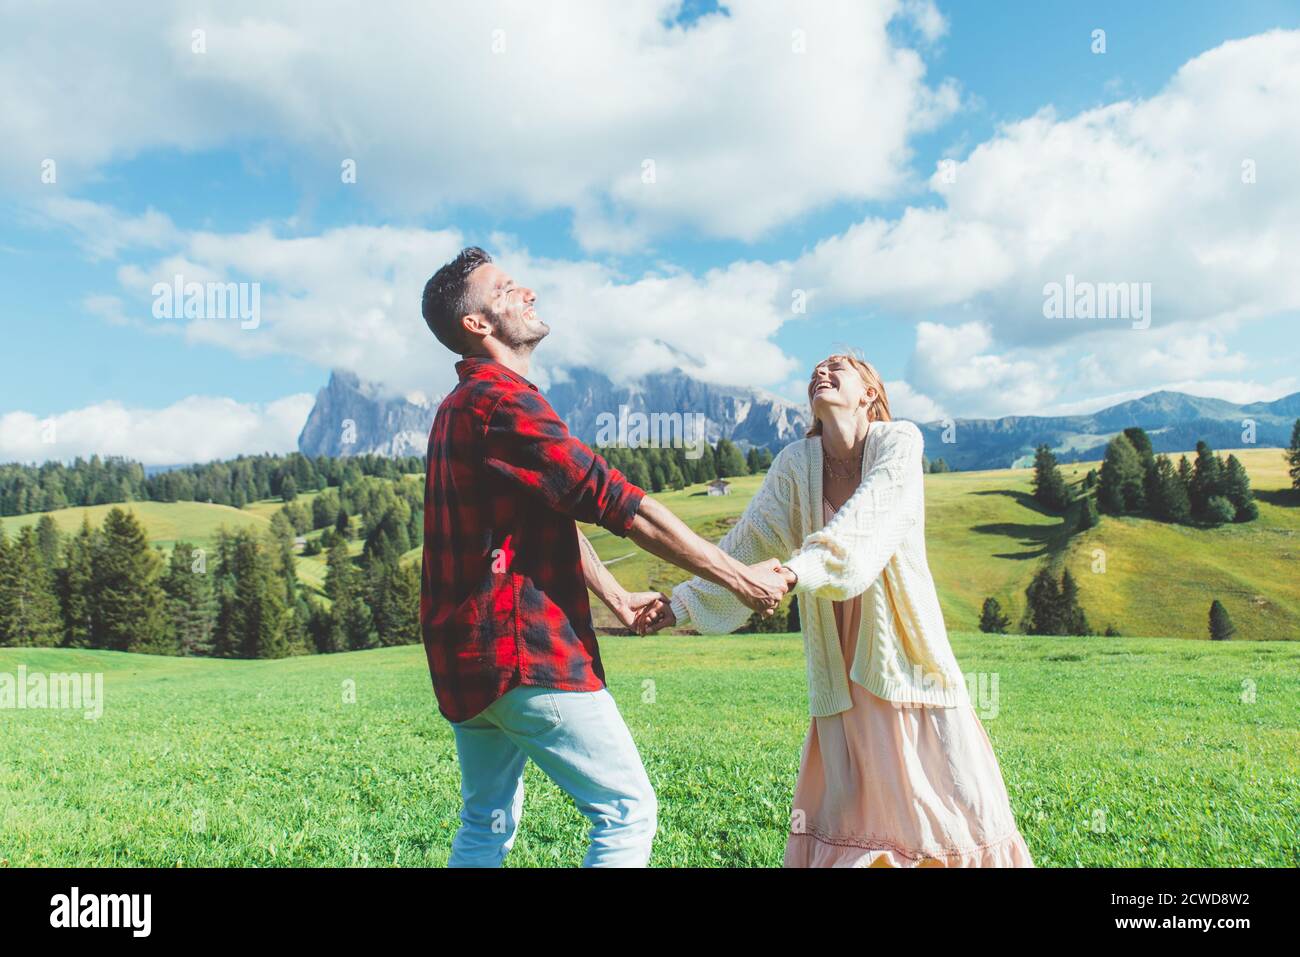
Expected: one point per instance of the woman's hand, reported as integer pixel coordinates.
(765, 584)
(654, 615)
(630, 604)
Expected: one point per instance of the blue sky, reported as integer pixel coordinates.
(224, 163)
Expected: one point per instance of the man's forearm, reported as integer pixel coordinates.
(664, 535)
(599, 578)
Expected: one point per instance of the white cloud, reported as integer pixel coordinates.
(752, 116)
(907, 403)
(350, 298)
(956, 364)
(1138, 191)
(195, 429)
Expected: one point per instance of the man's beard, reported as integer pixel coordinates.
(513, 333)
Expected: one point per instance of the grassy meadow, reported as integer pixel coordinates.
(1142, 751)
(1118, 751)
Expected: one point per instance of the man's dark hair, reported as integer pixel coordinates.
(446, 298)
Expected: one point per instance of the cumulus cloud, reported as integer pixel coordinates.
(1191, 190)
(195, 429)
(350, 298)
(741, 121)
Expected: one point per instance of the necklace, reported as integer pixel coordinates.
(842, 468)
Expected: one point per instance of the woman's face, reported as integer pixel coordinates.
(836, 388)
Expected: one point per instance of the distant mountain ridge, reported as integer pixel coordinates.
(1174, 421)
(352, 417)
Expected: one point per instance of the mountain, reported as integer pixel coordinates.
(1174, 421)
(353, 418)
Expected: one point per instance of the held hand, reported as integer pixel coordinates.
(654, 616)
(633, 604)
(765, 584)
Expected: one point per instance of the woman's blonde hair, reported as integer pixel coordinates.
(878, 411)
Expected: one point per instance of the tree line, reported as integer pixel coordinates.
(658, 469)
(1135, 481)
(105, 587)
(235, 482)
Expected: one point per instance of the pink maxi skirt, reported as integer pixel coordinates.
(886, 785)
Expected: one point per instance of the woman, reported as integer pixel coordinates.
(897, 769)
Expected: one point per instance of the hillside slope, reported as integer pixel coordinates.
(986, 536)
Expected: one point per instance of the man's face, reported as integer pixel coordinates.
(509, 307)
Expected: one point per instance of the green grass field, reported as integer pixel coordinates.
(164, 522)
(1131, 751)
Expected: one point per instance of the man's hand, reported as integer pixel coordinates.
(655, 615)
(764, 585)
(628, 605)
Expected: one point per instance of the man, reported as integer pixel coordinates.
(503, 606)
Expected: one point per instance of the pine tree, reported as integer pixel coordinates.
(638, 474)
(1049, 486)
(288, 489)
(30, 609)
(1293, 456)
(128, 607)
(401, 587)
(1168, 496)
(1221, 626)
(730, 462)
(1141, 443)
(1219, 510)
(191, 605)
(706, 469)
(1206, 480)
(351, 625)
(792, 618)
(75, 582)
(253, 613)
(1071, 618)
(8, 592)
(1120, 483)
(1185, 478)
(1042, 605)
(47, 537)
(1088, 516)
(1236, 489)
(992, 620)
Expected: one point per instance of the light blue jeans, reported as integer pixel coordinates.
(579, 740)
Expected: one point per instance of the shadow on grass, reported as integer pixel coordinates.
(1282, 498)
(1039, 540)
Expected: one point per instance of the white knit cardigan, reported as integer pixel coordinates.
(874, 547)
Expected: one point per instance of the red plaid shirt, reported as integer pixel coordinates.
(503, 601)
